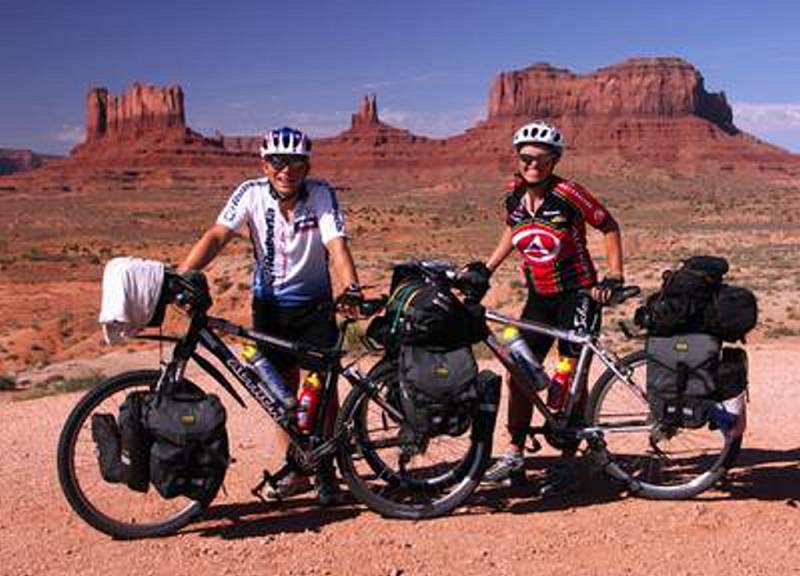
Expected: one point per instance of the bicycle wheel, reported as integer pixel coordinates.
(657, 462)
(113, 508)
(392, 475)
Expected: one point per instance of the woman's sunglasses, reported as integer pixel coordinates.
(528, 159)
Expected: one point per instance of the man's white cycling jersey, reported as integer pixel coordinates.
(291, 259)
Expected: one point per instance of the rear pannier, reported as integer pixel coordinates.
(681, 373)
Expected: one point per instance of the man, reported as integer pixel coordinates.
(546, 219)
(298, 235)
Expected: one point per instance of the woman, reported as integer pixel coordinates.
(546, 219)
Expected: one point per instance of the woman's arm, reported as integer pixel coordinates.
(613, 241)
(501, 251)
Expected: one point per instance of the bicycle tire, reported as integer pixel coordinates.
(655, 463)
(443, 479)
(80, 480)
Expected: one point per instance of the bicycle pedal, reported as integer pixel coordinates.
(518, 479)
(534, 447)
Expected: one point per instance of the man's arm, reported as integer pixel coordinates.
(204, 251)
(341, 263)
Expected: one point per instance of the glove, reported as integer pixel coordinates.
(607, 288)
(349, 301)
(611, 283)
(474, 281)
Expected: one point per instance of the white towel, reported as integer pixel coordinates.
(131, 287)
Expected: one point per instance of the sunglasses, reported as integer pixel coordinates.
(528, 159)
(279, 162)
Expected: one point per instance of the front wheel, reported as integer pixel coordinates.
(655, 461)
(113, 508)
(392, 474)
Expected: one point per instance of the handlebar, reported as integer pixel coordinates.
(623, 293)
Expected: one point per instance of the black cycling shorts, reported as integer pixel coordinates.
(567, 310)
(313, 324)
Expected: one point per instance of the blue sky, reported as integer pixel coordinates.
(247, 65)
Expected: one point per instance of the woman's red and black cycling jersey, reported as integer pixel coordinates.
(552, 241)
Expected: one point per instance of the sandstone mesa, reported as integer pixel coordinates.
(644, 112)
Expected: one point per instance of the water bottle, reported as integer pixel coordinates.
(308, 402)
(269, 376)
(559, 385)
(730, 415)
(524, 358)
(721, 417)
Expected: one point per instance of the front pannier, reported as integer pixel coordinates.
(189, 454)
(123, 444)
(135, 441)
(681, 378)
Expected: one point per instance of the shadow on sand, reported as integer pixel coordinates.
(258, 519)
(771, 475)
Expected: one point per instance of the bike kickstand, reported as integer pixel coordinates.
(272, 480)
(267, 478)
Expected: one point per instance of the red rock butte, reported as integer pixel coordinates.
(642, 113)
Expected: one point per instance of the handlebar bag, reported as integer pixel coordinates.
(189, 454)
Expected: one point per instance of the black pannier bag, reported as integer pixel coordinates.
(105, 434)
(189, 455)
(135, 441)
(123, 444)
(437, 391)
(693, 299)
(680, 305)
(421, 313)
(731, 374)
(734, 313)
(681, 378)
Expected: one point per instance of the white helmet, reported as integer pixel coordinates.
(539, 132)
(285, 141)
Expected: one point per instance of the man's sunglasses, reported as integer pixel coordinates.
(528, 159)
(281, 161)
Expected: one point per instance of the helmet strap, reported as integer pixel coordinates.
(544, 183)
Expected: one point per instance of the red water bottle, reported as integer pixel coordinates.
(308, 401)
(559, 385)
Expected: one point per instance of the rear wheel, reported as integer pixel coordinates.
(392, 474)
(113, 508)
(656, 461)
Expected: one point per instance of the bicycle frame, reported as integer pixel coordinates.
(590, 346)
(203, 331)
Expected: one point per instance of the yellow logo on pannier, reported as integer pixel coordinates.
(188, 419)
(441, 372)
(681, 346)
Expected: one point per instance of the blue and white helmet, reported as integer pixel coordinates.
(285, 141)
(539, 132)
